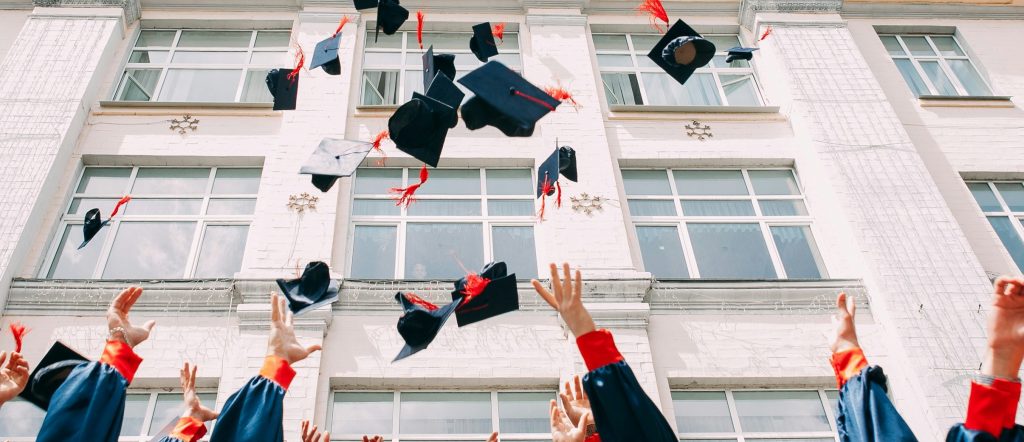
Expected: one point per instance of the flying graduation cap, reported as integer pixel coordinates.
(311, 290)
(421, 322)
(334, 158)
(485, 295)
(740, 53)
(50, 374)
(284, 86)
(434, 63)
(561, 162)
(482, 43)
(681, 51)
(390, 16)
(326, 55)
(94, 221)
(504, 100)
(419, 127)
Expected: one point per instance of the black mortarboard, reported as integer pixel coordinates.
(313, 289)
(326, 55)
(740, 53)
(420, 126)
(504, 100)
(50, 373)
(93, 224)
(681, 51)
(390, 17)
(284, 89)
(561, 161)
(500, 295)
(334, 158)
(482, 44)
(432, 64)
(365, 4)
(420, 322)
(567, 162)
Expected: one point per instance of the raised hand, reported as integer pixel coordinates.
(843, 322)
(13, 376)
(1006, 329)
(193, 406)
(313, 435)
(567, 300)
(493, 438)
(574, 400)
(564, 431)
(283, 342)
(117, 318)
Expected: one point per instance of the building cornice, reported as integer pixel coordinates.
(956, 11)
(752, 297)
(132, 9)
(750, 8)
(30, 297)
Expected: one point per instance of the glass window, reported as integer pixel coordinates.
(1003, 204)
(630, 78)
(149, 414)
(461, 219)
(761, 415)
(202, 66)
(722, 223)
(20, 418)
(935, 65)
(180, 223)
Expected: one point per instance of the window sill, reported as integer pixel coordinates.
(644, 112)
(959, 101)
(383, 110)
(780, 296)
(194, 108)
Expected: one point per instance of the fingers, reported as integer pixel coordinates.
(565, 398)
(130, 295)
(841, 302)
(585, 420)
(312, 348)
(289, 319)
(580, 395)
(556, 285)
(275, 313)
(544, 293)
(493, 438)
(851, 306)
(567, 294)
(183, 374)
(192, 378)
(555, 421)
(305, 427)
(1000, 285)
(326, 437)
(3, 357)
(578, 292)
(119, 300)
(149, 326)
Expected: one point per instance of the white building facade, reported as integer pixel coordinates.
(870, 147)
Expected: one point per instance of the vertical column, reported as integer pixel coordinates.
(48, 80)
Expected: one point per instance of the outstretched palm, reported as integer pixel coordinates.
(564, 431)
(574, 400)
(283, 342)
(117, 317)
(193, 406)
(843, 321)
(1006, 327)
(13, 376)
(567, 300)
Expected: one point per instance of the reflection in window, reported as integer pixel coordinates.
(1003, 204)
(771, 415)
(935, 65)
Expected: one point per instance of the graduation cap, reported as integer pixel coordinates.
(681, 51)
(284, 89)
(420, 126)
(365, 4)
(334, 158)
(50, 373)
(740, 53)
(434, 63)
(561, 162)
(313, 289)
(504, 100)
(482, 44)
(421, 322)
(390, 17)
(486, 295)
(94, 221)
(326, 55)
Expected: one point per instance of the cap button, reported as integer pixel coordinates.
(512, 90)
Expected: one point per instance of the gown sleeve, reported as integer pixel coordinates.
(256, 411)
(188, 429)
(865, 412)
(622, 411)
(89, 405)
(990, 412)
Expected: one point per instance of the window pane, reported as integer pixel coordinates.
(382, 40)
(910, 75)
(380, 87)
(214, 39)
(436, 250)
(413, 83)
(155, 38)
(375, 247)
(652, 208)
(892, 45)
(833, 400)
(81, 205)
(167, 409)
(19, 418)
(375, 208)
(773, 182)
(210, 57)
(798, 252)
(730, 251)
(615, 61)
(1011, 239)
(610, 42)
(168, 181)
(723, 42)
(378, 181)
(661, 251)
(104, 180)
(918, 46)
(148, 57)
(699, 90)
(269, 58)
(71, 263)
(718, 61)
(985, 198)
(135, 408)
(515, 246)
(273, 39)
(237, 181)
(218, 85)
(783, 208)
(144, 250)
(445, 208)
(221, 252)
(138, 84)
(445, 413)
(163, 206)
(449, 182)
(778, 411)
(362, 413)
(947, 46)
(446, 40)
(255, 88)
(942, 84)
(231, 206)
(524, 412)
(710, 182)
(718, 208)
(510, 207)
(510, 60)
(621, 88)
(509, 182)
(644, 42)
(646, 182)
(969, 77)
(1013, 195)
(740, 90)
(702, 412)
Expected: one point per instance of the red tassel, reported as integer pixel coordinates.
(404, 197)
(19, 331)
(411, 297)
(124, 200)
(559, 187)
(656, 10)
(545, 189)
(298, 66)
(536, 100)
(499, 31)
(475, 285)
(377, 140)
(767, 32)
(344, 21)
(419, 28)
(559, 93)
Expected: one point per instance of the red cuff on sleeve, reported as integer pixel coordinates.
(598, 349)
(120, 355)
(278, 370)
(189, 429)
(847, 364)
(593, 438)
(989, 406)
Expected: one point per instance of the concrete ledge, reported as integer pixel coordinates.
(1000, 101)
(37, 297)
(753, 297)
(682, 113)
(677, 380)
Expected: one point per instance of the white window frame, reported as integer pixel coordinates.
(639, 70)
(202, 220)
(171, 50)
(1005, 211)
(941, 59)
(740, 436)
(410, 176)
(680, 220)
(396, 436)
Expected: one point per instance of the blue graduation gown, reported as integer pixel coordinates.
(961, 434)
(865, 412)
(990, 412)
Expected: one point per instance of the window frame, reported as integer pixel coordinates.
(202, 219)
(942, 63)
(738, 435)
(1005, 212)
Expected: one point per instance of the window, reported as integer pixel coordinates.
(461, 219)
(393, 65)
(20, 420)
(726, 224)
(935, 65)
(1003, 204)
(630, 78)
(180, 223)
(455, 416)
(201, 65)
(756, 415)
